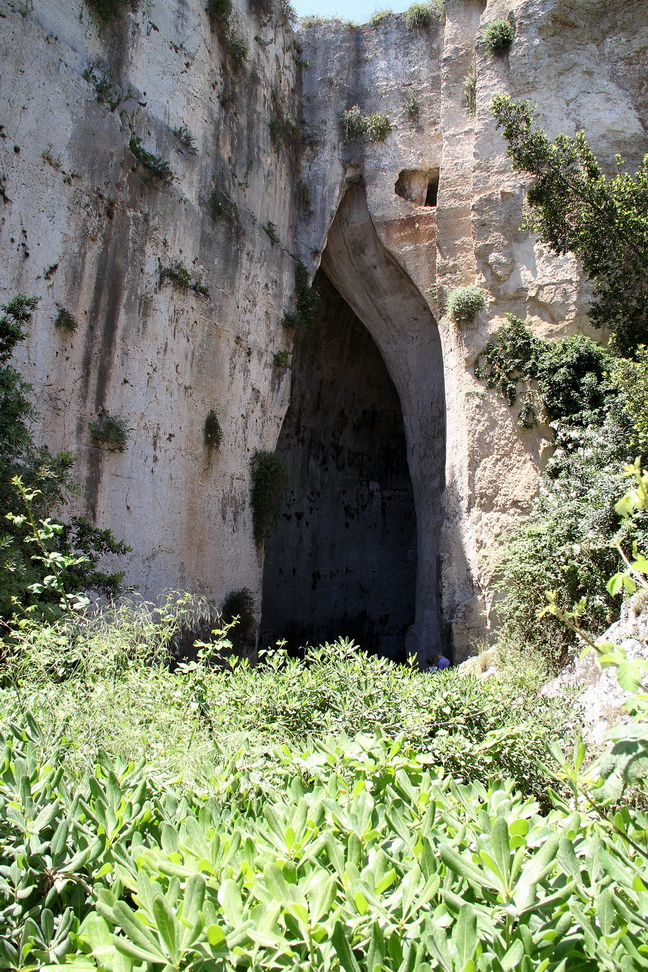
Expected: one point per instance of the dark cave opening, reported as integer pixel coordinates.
(342, 561)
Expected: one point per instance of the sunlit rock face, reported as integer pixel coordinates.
(261, 174)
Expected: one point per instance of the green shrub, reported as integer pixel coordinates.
(307, 299)
(66, 321)
(281, 359)
(109, 432)
(212, 431)
(182, 278)
(271, 231)
(355, 125)
(185, 138)
(155, 164)
(464, 303)
(237, 52)
(571, 374)
(412, 106)
(269, 481)
(498, 36)
(107, 90)
(419, 16)
(41, 561)
(219, 11)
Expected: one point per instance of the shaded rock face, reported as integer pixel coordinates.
(395, 225)
(343, 560)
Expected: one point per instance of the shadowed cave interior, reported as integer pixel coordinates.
(342, 561)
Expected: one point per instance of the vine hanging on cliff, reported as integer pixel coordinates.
(306, 299)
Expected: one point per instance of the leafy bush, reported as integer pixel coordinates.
(576, 208)
(269, 481)
(571, 374)
(155, 164)
(109, 432)
(412, 106)
(464, 303)
(40, 560)
(108, 91)
(355, 125)
(281, 359)
(307, 299)
(498, 36)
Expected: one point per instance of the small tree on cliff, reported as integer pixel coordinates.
(577, 209)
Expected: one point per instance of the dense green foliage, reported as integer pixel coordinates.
(498, 36)
(570, 374)
(576, 208)
(269, 481)
(108, 11)
(288, 842)
(464, 303)
(420, 16)
(39, 560)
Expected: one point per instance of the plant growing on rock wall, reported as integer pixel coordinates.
(269, 480)
(237, 53)
(281, 359)
(155, 164)
(219, 11)
(420, 16)
(66, 321)
(356, 124)
(498, 36)
(106, 88)
(109, 432)
(464, 303)
(577, 209)
(307, 299)
(185, 138)
(212, 431)
(108, 11)
(182, 278)
(470, 92)
(412, 106)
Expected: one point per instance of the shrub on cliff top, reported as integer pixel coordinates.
(419, 16)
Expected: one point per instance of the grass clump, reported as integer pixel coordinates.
(470, 92)
(109, 432)
(419, 16)
(182, 278)
(155, 164)
(65, 321)
(464, 303)
(498, 36)
(269, 472)
(106, 88)
(307, 299)
(356, 124)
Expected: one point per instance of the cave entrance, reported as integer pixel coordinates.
(363, 282)
(343, 559)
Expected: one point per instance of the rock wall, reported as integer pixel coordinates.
(395, 225)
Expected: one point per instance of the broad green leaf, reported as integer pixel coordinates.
(167, 924)
(343, 949)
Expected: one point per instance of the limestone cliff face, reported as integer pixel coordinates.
(393, 225)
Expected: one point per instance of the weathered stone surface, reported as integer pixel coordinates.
(75, 198)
